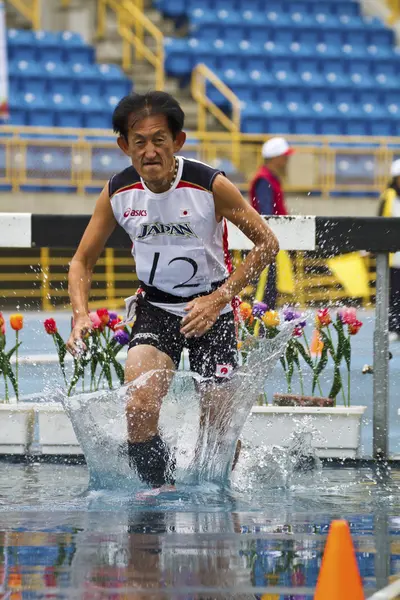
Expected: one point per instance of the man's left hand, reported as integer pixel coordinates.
(202, 314)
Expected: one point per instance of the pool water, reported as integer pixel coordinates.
(59, 540)
(260, 537)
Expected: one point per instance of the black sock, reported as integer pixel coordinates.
(152, 461)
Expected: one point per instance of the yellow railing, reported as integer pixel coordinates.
(132, 25)
(202, 75)
(313, 168)
(394, 6)
(30, 9)
(38, 278)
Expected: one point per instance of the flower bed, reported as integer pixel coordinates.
(331, 340)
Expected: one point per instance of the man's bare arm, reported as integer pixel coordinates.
(229, 203)
(99, 229)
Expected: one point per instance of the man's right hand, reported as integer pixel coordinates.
(82, 327)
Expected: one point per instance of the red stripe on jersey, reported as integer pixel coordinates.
(227, 256)
(135, 186)
(187, 184)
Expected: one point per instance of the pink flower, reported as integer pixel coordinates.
(3, 329)
(96, 321)
(347, 315)
(355, 327)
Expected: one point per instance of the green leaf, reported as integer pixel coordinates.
(11, 352)
(2, 342)
(107, 373)
(306, 357)
(77, 374)
(337, 383)
(10, 374)
(320, 366)
(347, 352)
(119, 370)
(283, 363)
(327, 343)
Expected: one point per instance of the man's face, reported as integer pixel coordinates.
(151, 147)
(282, 163)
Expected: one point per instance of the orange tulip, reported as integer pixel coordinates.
(245, 310)
(17, 321)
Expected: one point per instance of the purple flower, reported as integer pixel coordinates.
(113, 315)
(289, 314)
(259, 309)
(122, 337)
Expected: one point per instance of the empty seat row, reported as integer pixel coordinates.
(287, 35)
(37, 78)
(61, 46)
(282, 124)
(183, 55)
(62, 111)
(178, 8)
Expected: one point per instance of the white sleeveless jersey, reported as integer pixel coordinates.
(178, 245)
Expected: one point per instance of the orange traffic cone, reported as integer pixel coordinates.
(339, 577)
(316, 343)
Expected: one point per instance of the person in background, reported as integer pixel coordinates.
(267, 195)
(390, 207)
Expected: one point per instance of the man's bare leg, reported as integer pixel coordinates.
(153, 372)
(215, 419)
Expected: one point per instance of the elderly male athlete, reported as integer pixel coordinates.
(175, 211)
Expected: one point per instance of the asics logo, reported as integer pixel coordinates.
(133, 212)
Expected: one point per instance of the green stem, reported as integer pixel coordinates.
(6, 388)
(309, 352)
(301, 381)
(16, 355)
(334, 359)
(348, 386)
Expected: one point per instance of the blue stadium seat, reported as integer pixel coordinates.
(67, 111)
(74, 48)
(179, 56)
(38, 110)
(49, 162)
(18, 114)
(59, 78)
(21, 45)
(48, 46)
(328, 121)
(87, 80)
(113, 80)
(27, 76)
(96, 113)
(106, 161)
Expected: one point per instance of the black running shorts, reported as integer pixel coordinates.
(214, 354)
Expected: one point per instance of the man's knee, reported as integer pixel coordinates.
(143, 402)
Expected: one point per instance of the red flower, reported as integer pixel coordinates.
(50, 326)
(323, 318)
(103, 315)
(355, 327)
(112, 324)
(298, 331)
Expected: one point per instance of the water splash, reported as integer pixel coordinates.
(201, 453)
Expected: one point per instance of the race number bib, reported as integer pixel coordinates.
(173, 269)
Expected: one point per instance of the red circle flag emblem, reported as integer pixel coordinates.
(223, 370)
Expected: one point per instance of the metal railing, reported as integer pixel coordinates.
(132, 25)
(394, 6)
(39, 277)
(30, 9)
(201, 76)
(314, 167)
